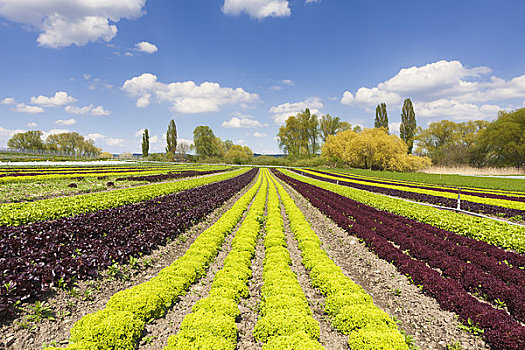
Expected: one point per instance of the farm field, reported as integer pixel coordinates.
(506, 204)
(228, 258)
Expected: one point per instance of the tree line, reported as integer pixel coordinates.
(67, 142)
(207, 147)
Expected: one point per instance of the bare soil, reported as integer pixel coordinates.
(68, 306)
(420, 316)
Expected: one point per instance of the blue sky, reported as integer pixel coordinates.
(243, 66)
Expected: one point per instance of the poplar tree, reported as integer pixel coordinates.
(408, 124)
(145, 143)
(171, 138)
(381, 120)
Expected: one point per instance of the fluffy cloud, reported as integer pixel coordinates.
(283, 111)
(32, 125)
(146, 47)
(23, 108)
(186, 97)
(259, 9)
(64, 23)
(8, 101)
(444, 89)
(241, 122)
(259, 134)
(288, 82)
(96, 111)
(100, 111)
(66, 121)
(109, 141)
(61, 98)
(6, 134)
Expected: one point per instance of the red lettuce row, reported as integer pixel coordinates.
(437, 189)
(420, 197)
(171, 175)
(502, 332)
(35, 256)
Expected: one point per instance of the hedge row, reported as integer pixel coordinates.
(211, 325)
(350, 308)
(286, 321)
(120, 324)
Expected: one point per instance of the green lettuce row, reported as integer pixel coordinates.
(493, 232)
(286, 320)
(16, 214)
(491, 201)
(211, 325)
(120, 324)
(350, 308)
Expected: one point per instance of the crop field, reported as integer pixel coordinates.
(507, 204)
(216, 257)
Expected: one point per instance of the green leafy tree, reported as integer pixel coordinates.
(502, 142)
(299, 136)
(408, 125)
(238, 155)
(381, 120)
(145, 143)
(206, 144)
(71, 143)
(27, 140)
(171, 138)
(329, 125)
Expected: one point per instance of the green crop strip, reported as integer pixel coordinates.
(211, 325)
(503, 184)
(349, 307)
(120, 324)
(492, 201)
(16, 214)
(494, 232)
(286, 320)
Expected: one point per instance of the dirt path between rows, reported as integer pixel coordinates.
(329, 337)
(419, 315)
(68, 306)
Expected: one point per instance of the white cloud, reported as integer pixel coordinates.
(129, 54)
(61, 98)
(109, 141)
(444, 89)
(241, 122)
(276, 87)
(146, 47)
(45, 134)
(139, 133)
(186, 97)
(394, 127)
(32, 125)
(259, 9)
(78, 110)
(451, 109)
(259, 134)
(155, 139)
(6, 134)
(86, 76)
(287, 82)
(8, 101)
(96, 111)
(66, 121)
(64, 23)
(23, 108)
(311, 1)
(99, 111)
(285, 110)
